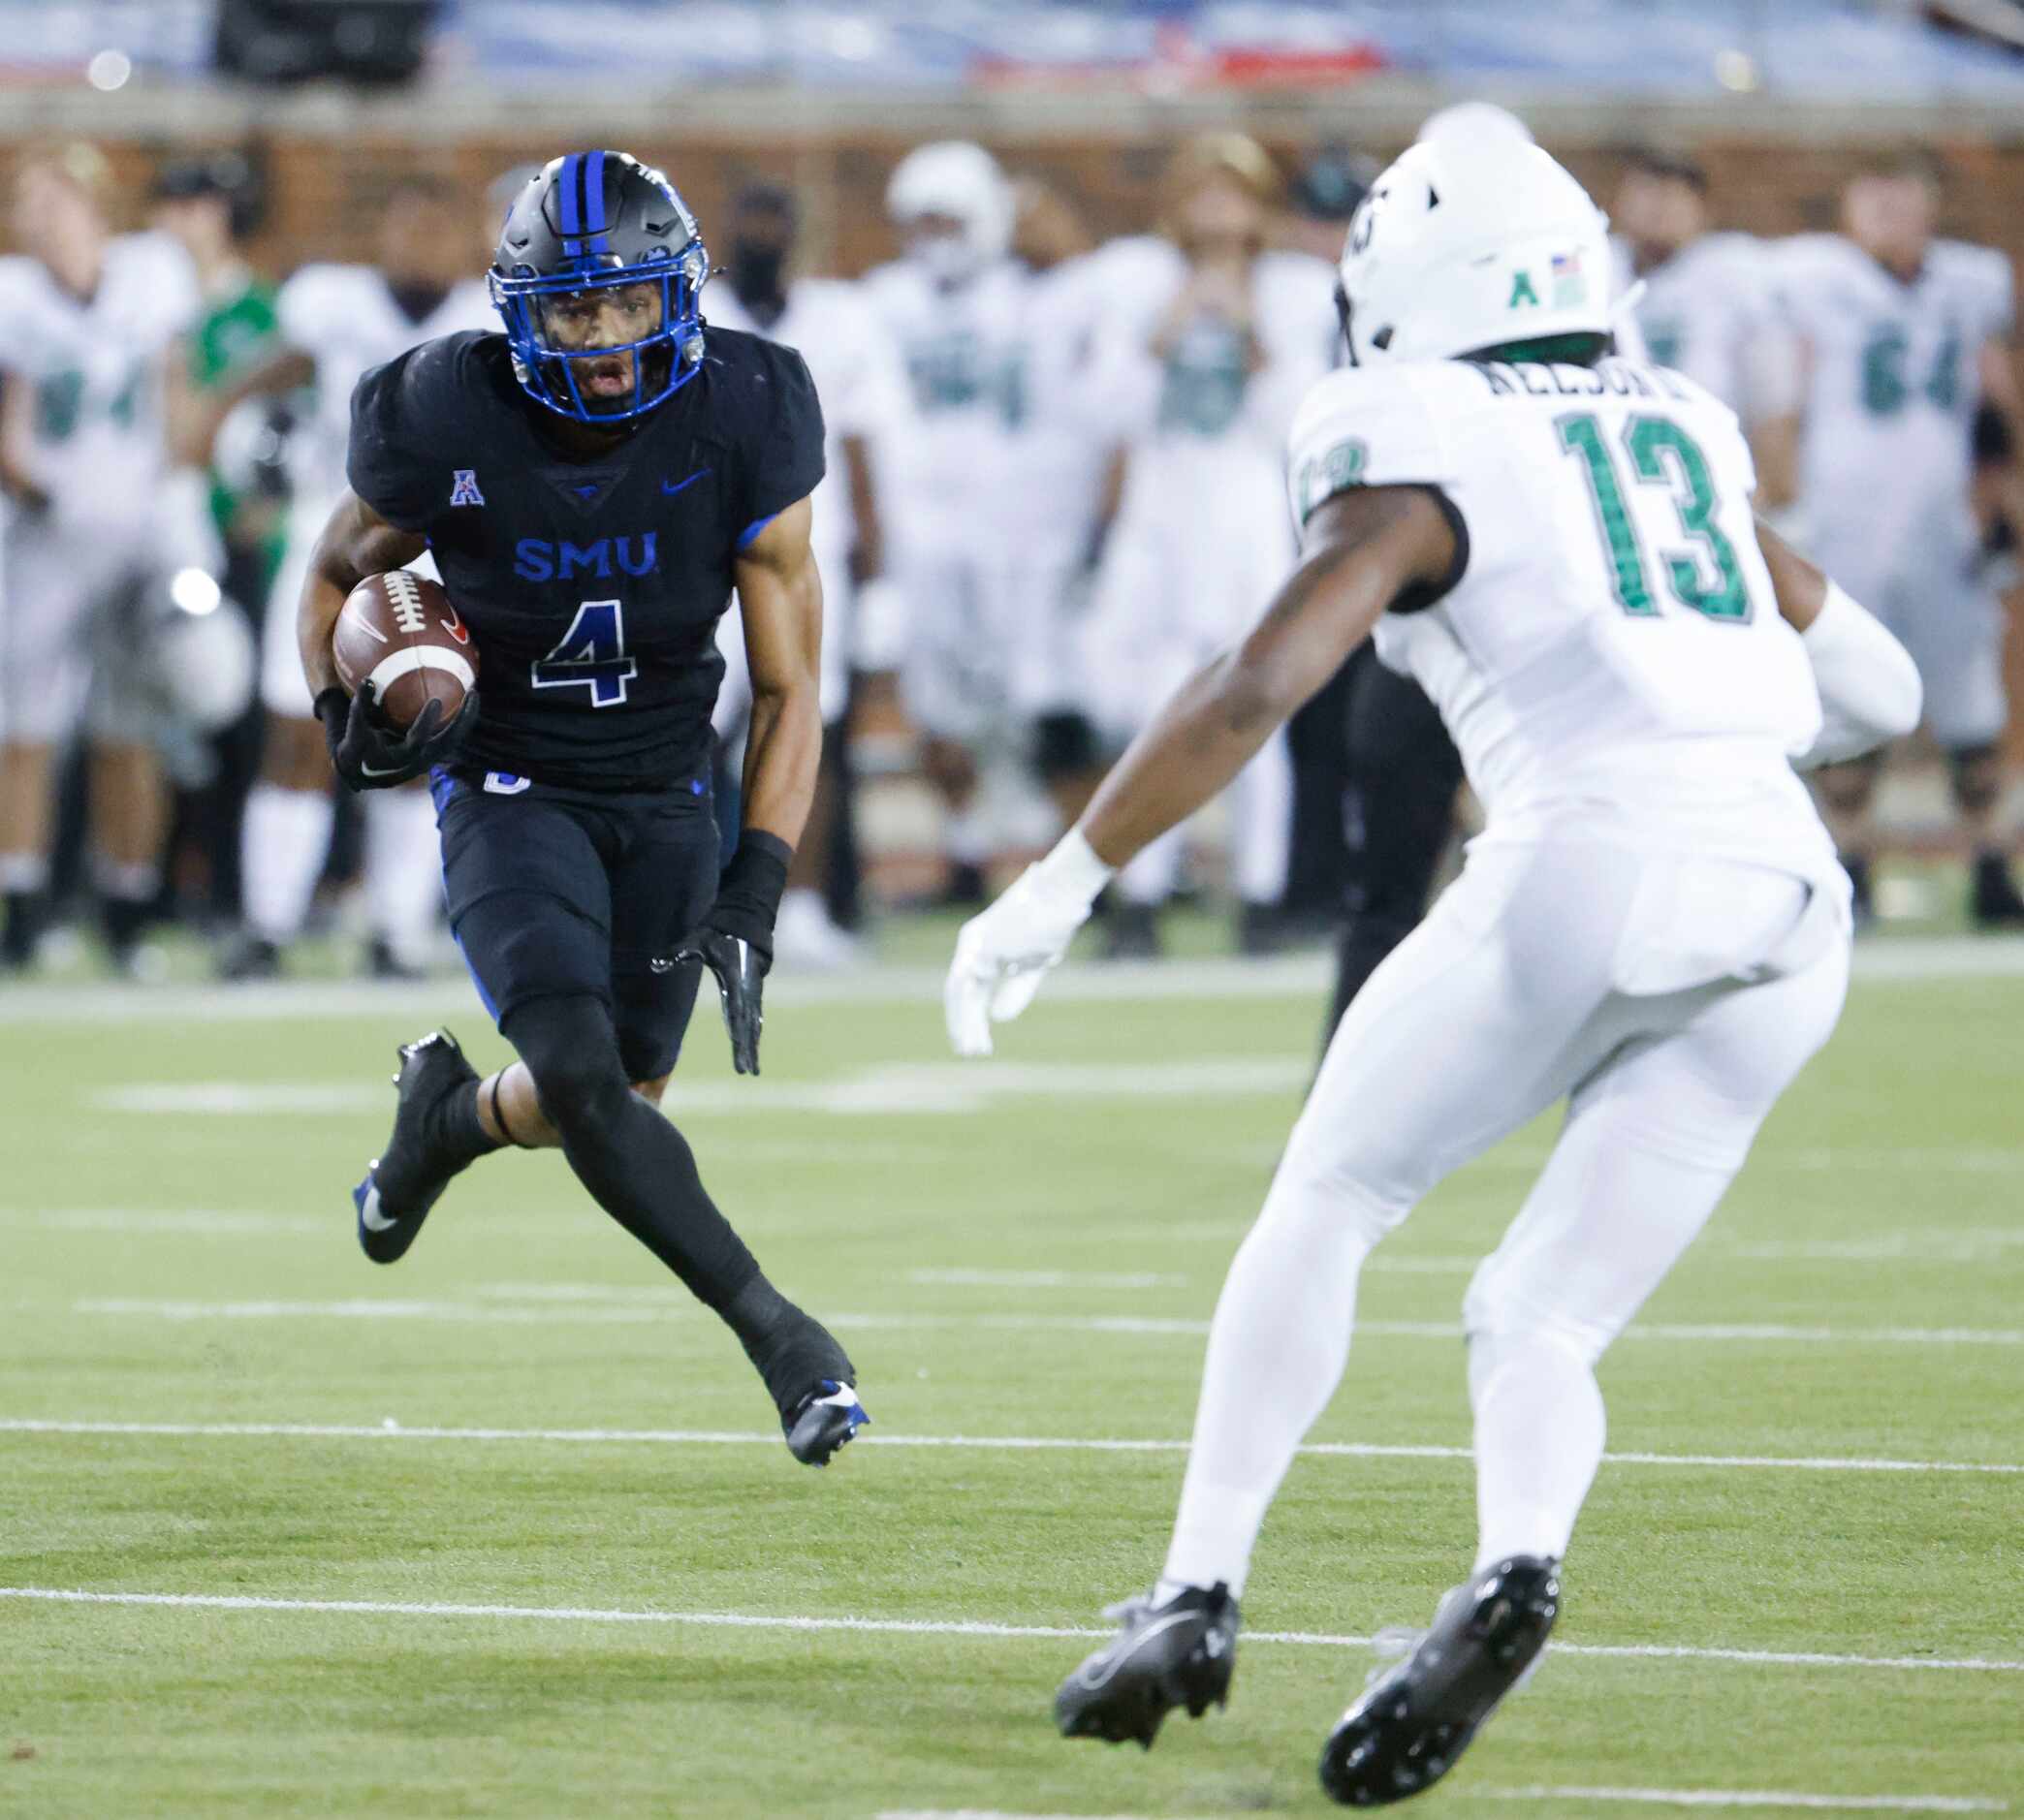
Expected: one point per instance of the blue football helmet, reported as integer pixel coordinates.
(590, 222)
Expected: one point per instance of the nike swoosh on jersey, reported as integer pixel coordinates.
(683, 486)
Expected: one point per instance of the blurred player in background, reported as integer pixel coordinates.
(1321, 199)
(865, 411)
(1709, 304)
(1204, 359)
(1560, 544)
(1059, 508)
(335, 322)
(211, 204)
(954, 302)
(99, 516)
(1904, 334)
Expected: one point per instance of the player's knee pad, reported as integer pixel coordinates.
(1847, 787)
(1311, 1186)
(1977, 776)
(572, 1051)
(1498, 1311)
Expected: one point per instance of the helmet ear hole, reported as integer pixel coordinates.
(1382, 339)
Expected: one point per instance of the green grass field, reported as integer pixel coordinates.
(515, 1534)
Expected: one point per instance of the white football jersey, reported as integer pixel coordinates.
(1892, 384)
(1611, 651)
(1065, 437)
(1710, 311)
(963, 353)
(345, 319)
(1202, 392)
(94, 366)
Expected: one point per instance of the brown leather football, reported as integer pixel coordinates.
(399, 632)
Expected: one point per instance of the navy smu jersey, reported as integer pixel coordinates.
(592, 587)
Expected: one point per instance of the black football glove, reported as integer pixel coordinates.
(369, 755)
(735, 939)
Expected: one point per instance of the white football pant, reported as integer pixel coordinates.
(1669, 1000)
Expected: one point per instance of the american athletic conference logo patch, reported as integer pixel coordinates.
(463, 487)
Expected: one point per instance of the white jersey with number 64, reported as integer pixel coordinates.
(1608, 653)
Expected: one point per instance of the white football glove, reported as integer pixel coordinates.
(1003, 952)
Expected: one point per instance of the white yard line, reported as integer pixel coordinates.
(1748, 1797)
(617, 1309)
(938, 1088)
(1636, 1796)
(387, 1428)
(1305, 976)
(951, 1627)
(959, 1277)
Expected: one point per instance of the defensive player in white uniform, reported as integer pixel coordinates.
(865, 413)
(1205, 358)
(1559, 544)
(338, 321)
(952, 301)
(1903, 333)
(90, 316)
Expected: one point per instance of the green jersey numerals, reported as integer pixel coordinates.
(1885, 390)
(1706, 579)
(63, 401)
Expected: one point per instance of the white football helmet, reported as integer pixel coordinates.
(1475, 237)
(962, 181)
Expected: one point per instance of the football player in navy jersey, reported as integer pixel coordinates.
(594, 482)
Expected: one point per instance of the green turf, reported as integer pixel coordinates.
(1896, 1159)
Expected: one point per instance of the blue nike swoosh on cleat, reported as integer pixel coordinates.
(684, 484)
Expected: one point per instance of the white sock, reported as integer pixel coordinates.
(282, 847)
(1277, 1349)
(404, 871)
(127, 881)
(966, 837)
(23, 873)
(1540, 1428)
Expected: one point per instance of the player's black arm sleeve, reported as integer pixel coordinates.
(1365, 548)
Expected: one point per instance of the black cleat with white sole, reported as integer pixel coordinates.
(1417, 1718)
(404, 1183)
(1178, 1654)
(823, 1422)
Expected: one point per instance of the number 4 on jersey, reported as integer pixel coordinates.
(591, 655)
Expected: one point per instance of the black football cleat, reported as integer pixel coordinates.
(1994, 900)
(250, 958)
(1178, 1654)
(1417, 1718)
(823, 1422)
(404, 1182)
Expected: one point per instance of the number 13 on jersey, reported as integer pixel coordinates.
(591, 655)
(1662, 454)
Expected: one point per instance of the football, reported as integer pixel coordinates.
(399, 632)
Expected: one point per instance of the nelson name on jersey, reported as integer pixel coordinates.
(1606, 378)
(594, 585)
